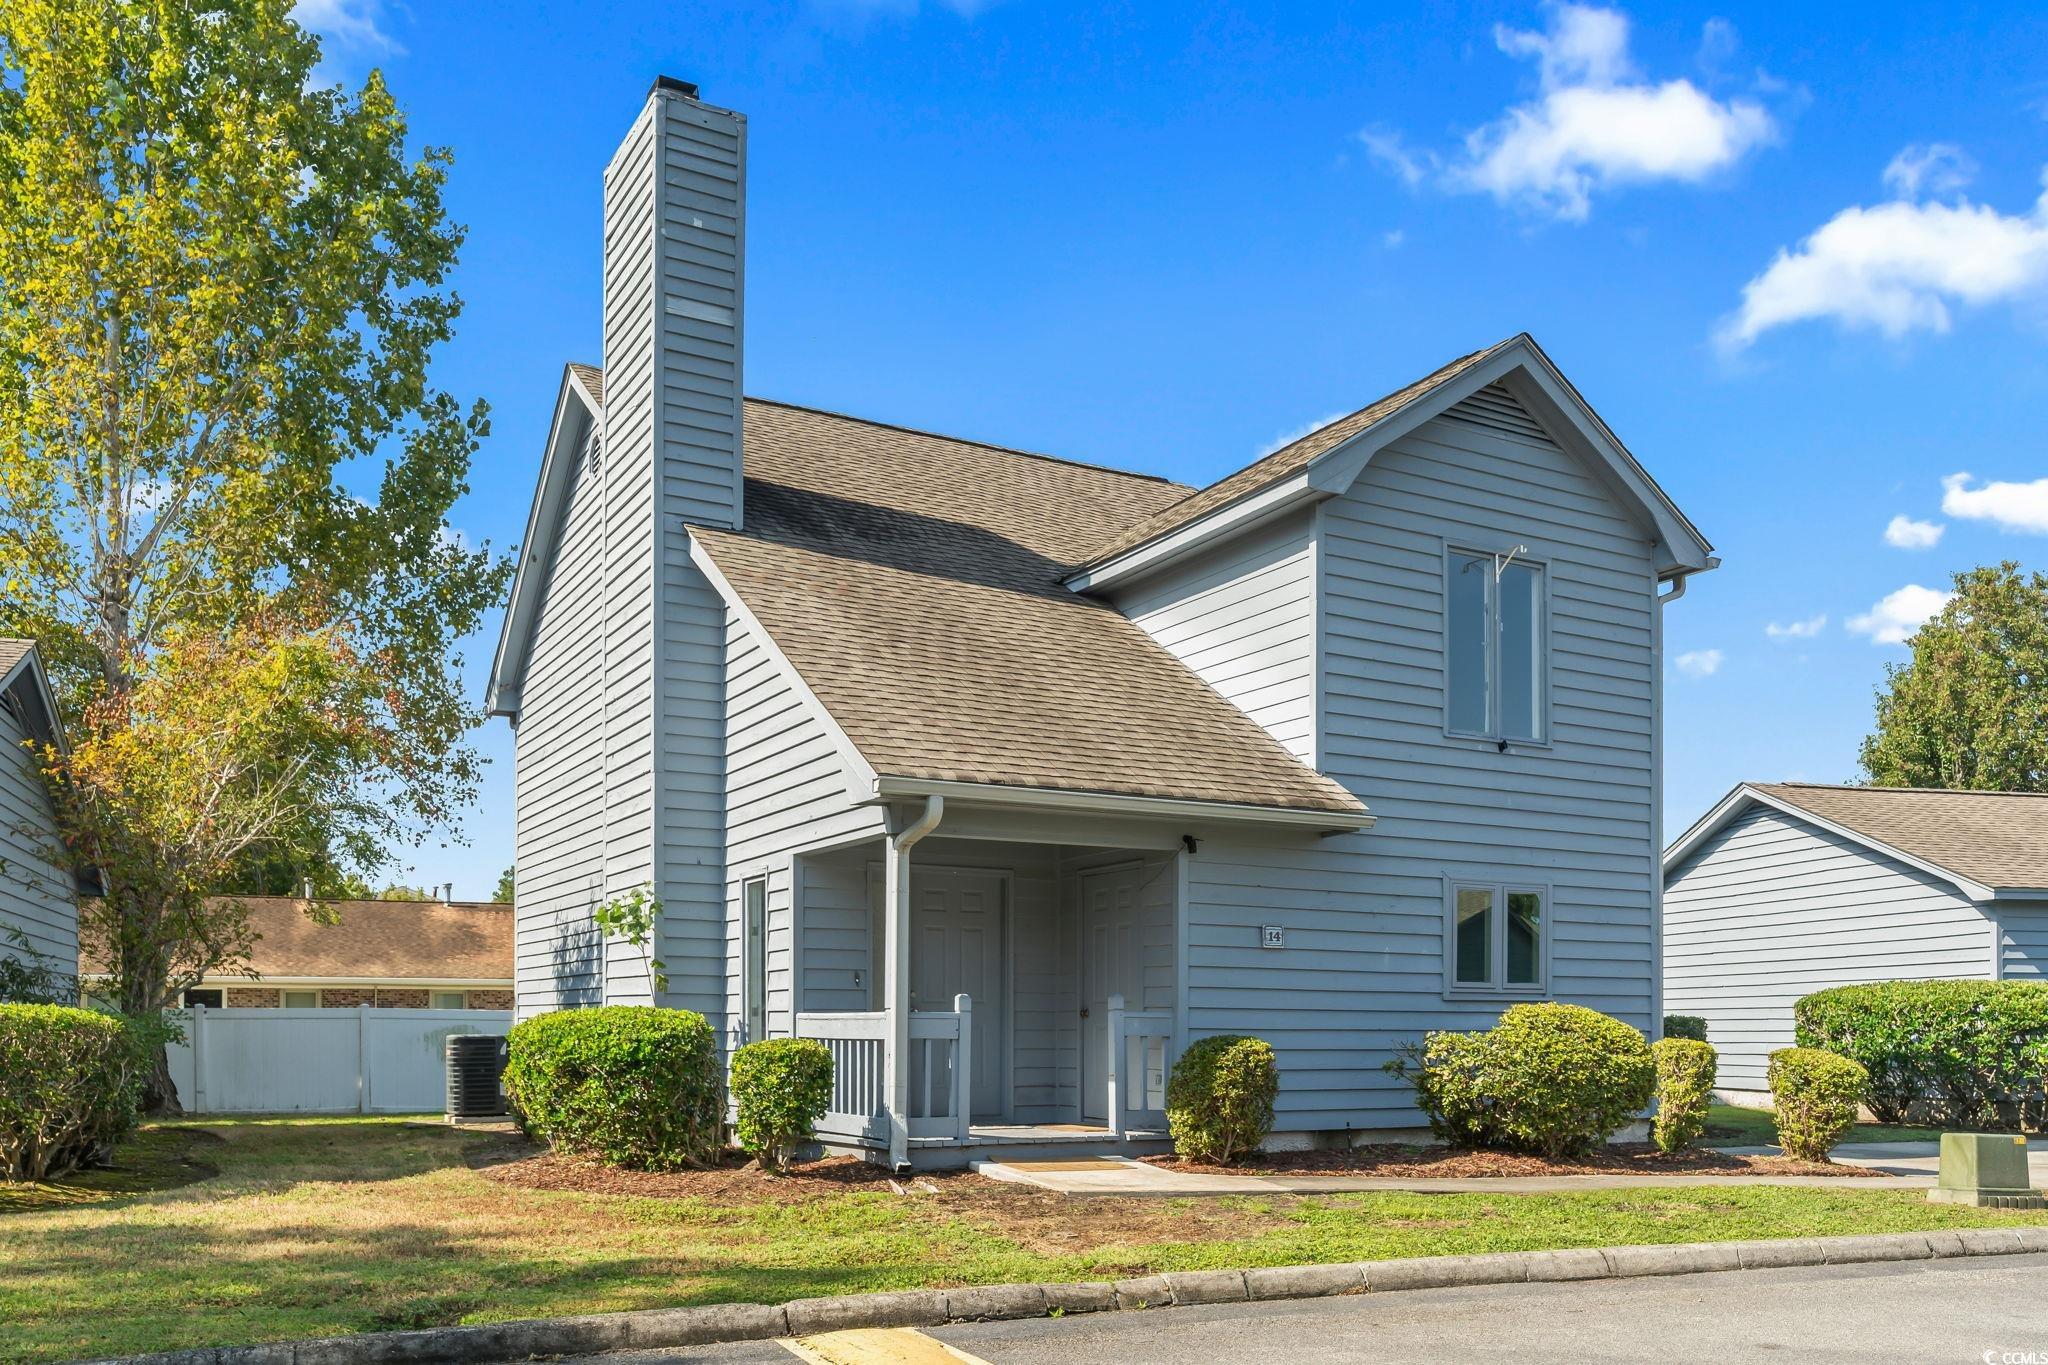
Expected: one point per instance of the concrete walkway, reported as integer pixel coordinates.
(1893, 1166)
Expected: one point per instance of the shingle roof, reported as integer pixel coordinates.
(1289, 460)
(378, 940)
(591, 378)
(913, 581)
(12, 652)
(1998, 839)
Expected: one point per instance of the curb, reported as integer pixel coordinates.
(664, 1327)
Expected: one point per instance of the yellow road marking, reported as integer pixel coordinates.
(877, 1346)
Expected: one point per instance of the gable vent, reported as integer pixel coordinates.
(1495, 408)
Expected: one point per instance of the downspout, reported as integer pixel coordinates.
(896, 976)
(1663, 599)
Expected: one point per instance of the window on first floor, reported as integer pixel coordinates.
(754, 908)
(302, 1000)
(209, 998)
(1496, 935)
(450, 1000)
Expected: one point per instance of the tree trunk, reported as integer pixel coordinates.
(159, 1091)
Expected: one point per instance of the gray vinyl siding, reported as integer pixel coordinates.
(35, 887)
(672, 438)
(1242, 618)
(1772, 908)
(559, 807)
(785, 789)
(2023, 942)
(701, 210)
(1363, 968)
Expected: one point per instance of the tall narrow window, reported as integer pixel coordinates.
(754, 906)
(1494, 645)
(1494, 938)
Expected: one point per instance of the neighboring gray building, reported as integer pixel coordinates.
(1360, 741)
(37, 899)
(1788, 888)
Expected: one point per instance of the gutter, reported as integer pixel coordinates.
(1115, 803)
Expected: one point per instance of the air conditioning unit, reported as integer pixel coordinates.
(476, 1070)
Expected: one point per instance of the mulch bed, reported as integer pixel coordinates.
(515, 1161)
(1403, 1162)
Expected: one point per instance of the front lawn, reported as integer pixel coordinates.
(234, 1232)
(1730, 1125)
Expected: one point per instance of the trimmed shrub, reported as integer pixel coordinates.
(70, 1087)
(633, 1085)
(1974, 1052)
(1817, 1095)
(780, 1088)
(1685, 1087)
(1219, 1099)
(1555, 1080)
(1688, 1026)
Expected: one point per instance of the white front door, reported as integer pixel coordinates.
(1126, 949)
(956, 948)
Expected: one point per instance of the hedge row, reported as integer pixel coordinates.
(70, 1086)
(1973, 1053)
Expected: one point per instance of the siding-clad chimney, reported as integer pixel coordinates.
(674, 234)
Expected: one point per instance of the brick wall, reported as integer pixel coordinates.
(346, 997)
(250, 998)
(401, 999)
(490, 1000)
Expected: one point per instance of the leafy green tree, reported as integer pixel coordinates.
(506, 888)
(1970, 708)
(224, 472)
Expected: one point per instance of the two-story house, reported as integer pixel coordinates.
(1006, 774)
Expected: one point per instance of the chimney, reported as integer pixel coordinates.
(674, 239)
(674, 246)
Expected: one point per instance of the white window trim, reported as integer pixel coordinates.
(432, 992)
(1498, 988)
(1492, 734)
(284, 991)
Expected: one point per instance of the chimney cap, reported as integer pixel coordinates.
(687, 89)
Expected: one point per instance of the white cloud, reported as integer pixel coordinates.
(1393, 239)
(355, 25)
(1699, 663)
(1900, 266)
(1290, 437)
(1897, 615)
(1390, 151)
(2011, 506)
(1937, 167)
(1904, 533)
(1797, 630)
(1597, 123)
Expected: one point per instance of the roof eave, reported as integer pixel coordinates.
(1746, 795)
(1321, 821)
(1682, 549)
(573, 403)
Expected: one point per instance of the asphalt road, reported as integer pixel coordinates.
(1992, 1309)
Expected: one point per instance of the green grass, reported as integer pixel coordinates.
(1731, 1126)
(319, 1228)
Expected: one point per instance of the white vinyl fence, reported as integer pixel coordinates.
(320, 1061)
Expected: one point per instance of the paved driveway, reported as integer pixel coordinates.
(1964, 1310)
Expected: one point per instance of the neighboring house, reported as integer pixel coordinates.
(38, 896)
(389, 954)
(1360, 741)
(1787, 888)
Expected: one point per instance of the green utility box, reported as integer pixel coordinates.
(1988, 1170)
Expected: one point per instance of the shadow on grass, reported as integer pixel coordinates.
(155, 1159)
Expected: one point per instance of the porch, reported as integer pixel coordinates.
(986, 995)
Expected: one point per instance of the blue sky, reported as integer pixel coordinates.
(1796, 256)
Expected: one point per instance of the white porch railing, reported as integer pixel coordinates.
(940, 1072)
(1140, 1059)
(857, 1040)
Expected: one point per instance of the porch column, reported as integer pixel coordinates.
(896, 975)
